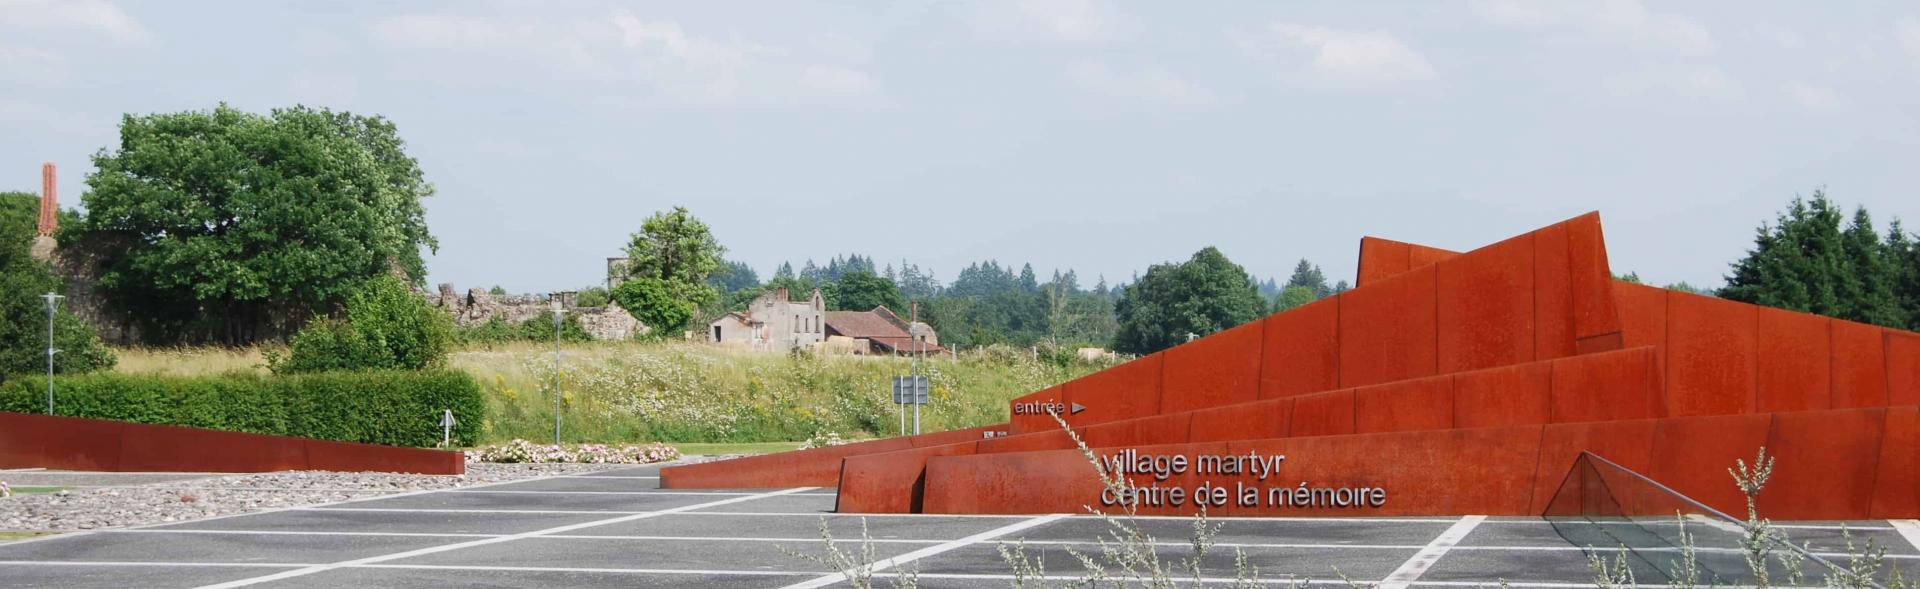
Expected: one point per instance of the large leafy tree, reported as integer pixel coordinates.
(673, 257)
(230, 226)
(1203, 295)
(676, 247)
(23, 314)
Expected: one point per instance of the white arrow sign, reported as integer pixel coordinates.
(1077, 408)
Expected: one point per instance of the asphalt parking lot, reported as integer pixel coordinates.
(617, 529)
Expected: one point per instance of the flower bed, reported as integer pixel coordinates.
(522, 451)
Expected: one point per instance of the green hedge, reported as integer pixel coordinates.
(397, 408)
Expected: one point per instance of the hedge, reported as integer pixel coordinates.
(396, 408)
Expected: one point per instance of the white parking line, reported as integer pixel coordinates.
(1411, 570)
(1909, 529)
(883, 565)
(485, 541)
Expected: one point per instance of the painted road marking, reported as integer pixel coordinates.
(766, 573)
(1411, 570)
(1030, 542)
(883, 565)
(1909, 529)
(485, 541)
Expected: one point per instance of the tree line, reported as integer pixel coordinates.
(678, 275)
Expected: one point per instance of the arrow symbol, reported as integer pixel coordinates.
(1077, 408)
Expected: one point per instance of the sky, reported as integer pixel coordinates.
(1086, 134)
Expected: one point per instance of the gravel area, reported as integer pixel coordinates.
(90, 507)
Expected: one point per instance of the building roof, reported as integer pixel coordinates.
(880, 326)
(867, 324)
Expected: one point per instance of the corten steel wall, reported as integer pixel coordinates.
(1595, 387)
(1844, 463)
(1443, 364)
(39, 441)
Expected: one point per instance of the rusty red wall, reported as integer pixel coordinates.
(69, 443)
(1442, 364)
(1861, 472)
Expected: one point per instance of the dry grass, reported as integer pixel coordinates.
(190, 361)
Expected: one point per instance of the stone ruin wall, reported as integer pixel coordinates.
(477, 306)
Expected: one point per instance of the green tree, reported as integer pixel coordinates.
(674, 254)
(23, 314)
(1293, 296)
(1904, 253)
(676, 247)
(861, 290)
(230, 226)
(733, 277)
(1307, 275)
(1872, 275)
(1796, 263)
(1807, 262)
(1203, 295)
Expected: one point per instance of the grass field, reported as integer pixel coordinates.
(685, 393)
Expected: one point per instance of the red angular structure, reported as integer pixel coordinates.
(1445, 383)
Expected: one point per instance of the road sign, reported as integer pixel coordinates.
(446, 427)
(910, 390)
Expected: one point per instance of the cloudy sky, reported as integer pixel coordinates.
(1101, 136)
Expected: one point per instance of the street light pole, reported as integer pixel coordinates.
(557, 312)
(52, 299)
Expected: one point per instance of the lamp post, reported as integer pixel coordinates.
(557, 312)
(52, 299)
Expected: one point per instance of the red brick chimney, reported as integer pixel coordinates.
(49, 201)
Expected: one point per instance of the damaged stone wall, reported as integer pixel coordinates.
(477, 306)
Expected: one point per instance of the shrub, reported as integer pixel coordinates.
(325, 344)
(387, 326)
(536, 329)
(592, 296)
(395, 407)
(400, 324)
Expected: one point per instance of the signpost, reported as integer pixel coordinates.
(52, 299)
(911, 390)
(446, 427)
